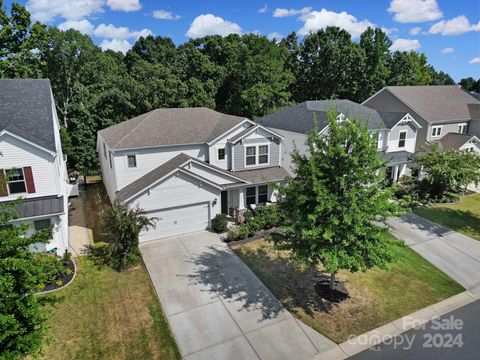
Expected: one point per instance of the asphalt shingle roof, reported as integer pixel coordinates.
(260, 175)
(299, 118)
(436, 103)
(454, 140)
(26, 109)
(390, 119)
(163, 127)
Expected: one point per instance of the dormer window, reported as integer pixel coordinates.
(221, 154)
(263, 154)
(132, 161)
(251, 156)
(402, 139)
(436, 131)
(462, 128)
(256, 155)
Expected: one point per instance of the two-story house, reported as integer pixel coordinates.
(32, 164)
(184, 166)
(396, 131)
(440, 110)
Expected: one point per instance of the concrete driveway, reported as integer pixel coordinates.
(455, 254)
(218, 309)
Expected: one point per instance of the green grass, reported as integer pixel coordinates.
(108, 315)
(463, 216)
(376, 296)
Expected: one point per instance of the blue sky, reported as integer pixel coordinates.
(447, 31)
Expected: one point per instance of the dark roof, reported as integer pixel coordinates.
(454, 140)
(242, 134)
(299, 118)
(436, 103)
(162, 127)
(390, 119)
(262, 175)
(40, 206)
(476, 95)
(26, 109)
(148, 179)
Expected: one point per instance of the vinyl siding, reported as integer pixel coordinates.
(446, 128)
(291, 141)
(394, 136)
(258, 138)
(474, 128)
(211, 175)
(108, 174)
(222, 144)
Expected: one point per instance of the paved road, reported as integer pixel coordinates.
(218, 309)
(455, 254)
(416, 344)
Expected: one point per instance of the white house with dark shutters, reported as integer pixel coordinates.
(185, 166)
(32, 164)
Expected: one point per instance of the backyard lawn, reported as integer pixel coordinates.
(108, 315)
(463, 216)
(377, 296)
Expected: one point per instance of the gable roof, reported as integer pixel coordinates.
(436, 103)
(163, 127)
(299, 118)
(249, 129)
(26, 110)
(454, 140)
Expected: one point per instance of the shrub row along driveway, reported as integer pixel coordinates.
(455, 254)
(217, 308)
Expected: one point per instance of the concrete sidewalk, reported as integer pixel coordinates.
(78, 240)
(218, 309)
(455, 254)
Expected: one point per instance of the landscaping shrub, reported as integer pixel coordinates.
(219, 223)
(49, 269)
(99, 253)
(240, 232)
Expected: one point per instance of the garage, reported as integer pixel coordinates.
(177, 220)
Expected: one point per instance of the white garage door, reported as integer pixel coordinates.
(177, 220)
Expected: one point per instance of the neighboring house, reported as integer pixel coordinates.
(462, 142)
(32, 164)
(439, 109)
(184, 166)
(396, 131)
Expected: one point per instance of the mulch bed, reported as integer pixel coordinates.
(64, 277)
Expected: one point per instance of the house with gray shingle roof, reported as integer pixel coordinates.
(396, 131)
(32, 165)
(184, 166)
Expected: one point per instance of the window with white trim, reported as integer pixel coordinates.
(132, 161)
(251, 155)
(43, 224)
(462, 128)
(221, 154)
(15, 179)
(263, 154)
(402, 137)
(251, 195)
(262, 194)
(436, 131)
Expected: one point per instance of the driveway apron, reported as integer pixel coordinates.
(217, 308)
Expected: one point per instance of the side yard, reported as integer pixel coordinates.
(463, 216)
(377, 296)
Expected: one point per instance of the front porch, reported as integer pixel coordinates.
(236, 200)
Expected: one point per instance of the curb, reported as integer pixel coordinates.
(63, 286)
(394, 328)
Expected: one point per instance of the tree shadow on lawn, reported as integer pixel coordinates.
(293, 286)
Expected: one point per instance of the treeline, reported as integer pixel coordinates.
(246, 75)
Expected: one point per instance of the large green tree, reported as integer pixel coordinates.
(336, 200)
(408, 68)
(470, 84)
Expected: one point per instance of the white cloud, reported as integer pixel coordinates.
(275, 35)
(389, 31)
(447, 50)
(124, 5)
(316, 20)
(456, 26)
(209, 24)
(475, 60)
(415, 11)
(84, 26)
(415, 31)
(116, 45)
(165, 15)
(263, 9)
(48, 10)
(405, 45)
(119, 33)
(291, 12)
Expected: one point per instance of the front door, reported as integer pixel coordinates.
(224, 200)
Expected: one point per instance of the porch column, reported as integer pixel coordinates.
(395, 173)
(241, 198)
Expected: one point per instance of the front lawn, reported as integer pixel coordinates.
(108, 315)
(463, 216)
(377, 296)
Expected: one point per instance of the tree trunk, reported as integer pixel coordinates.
(332, 281)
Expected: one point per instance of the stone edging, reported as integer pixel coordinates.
(394, 328)
(63, 286)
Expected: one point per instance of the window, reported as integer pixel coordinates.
(462, 128)
(104, 150)
(132, 161)
(16, 181)
(436, 131)
(40, 225)
(401, 139)
(110, 158)
(263, 154)
(250, 155)
(251, 195)
(221, 154)
(262, 194)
